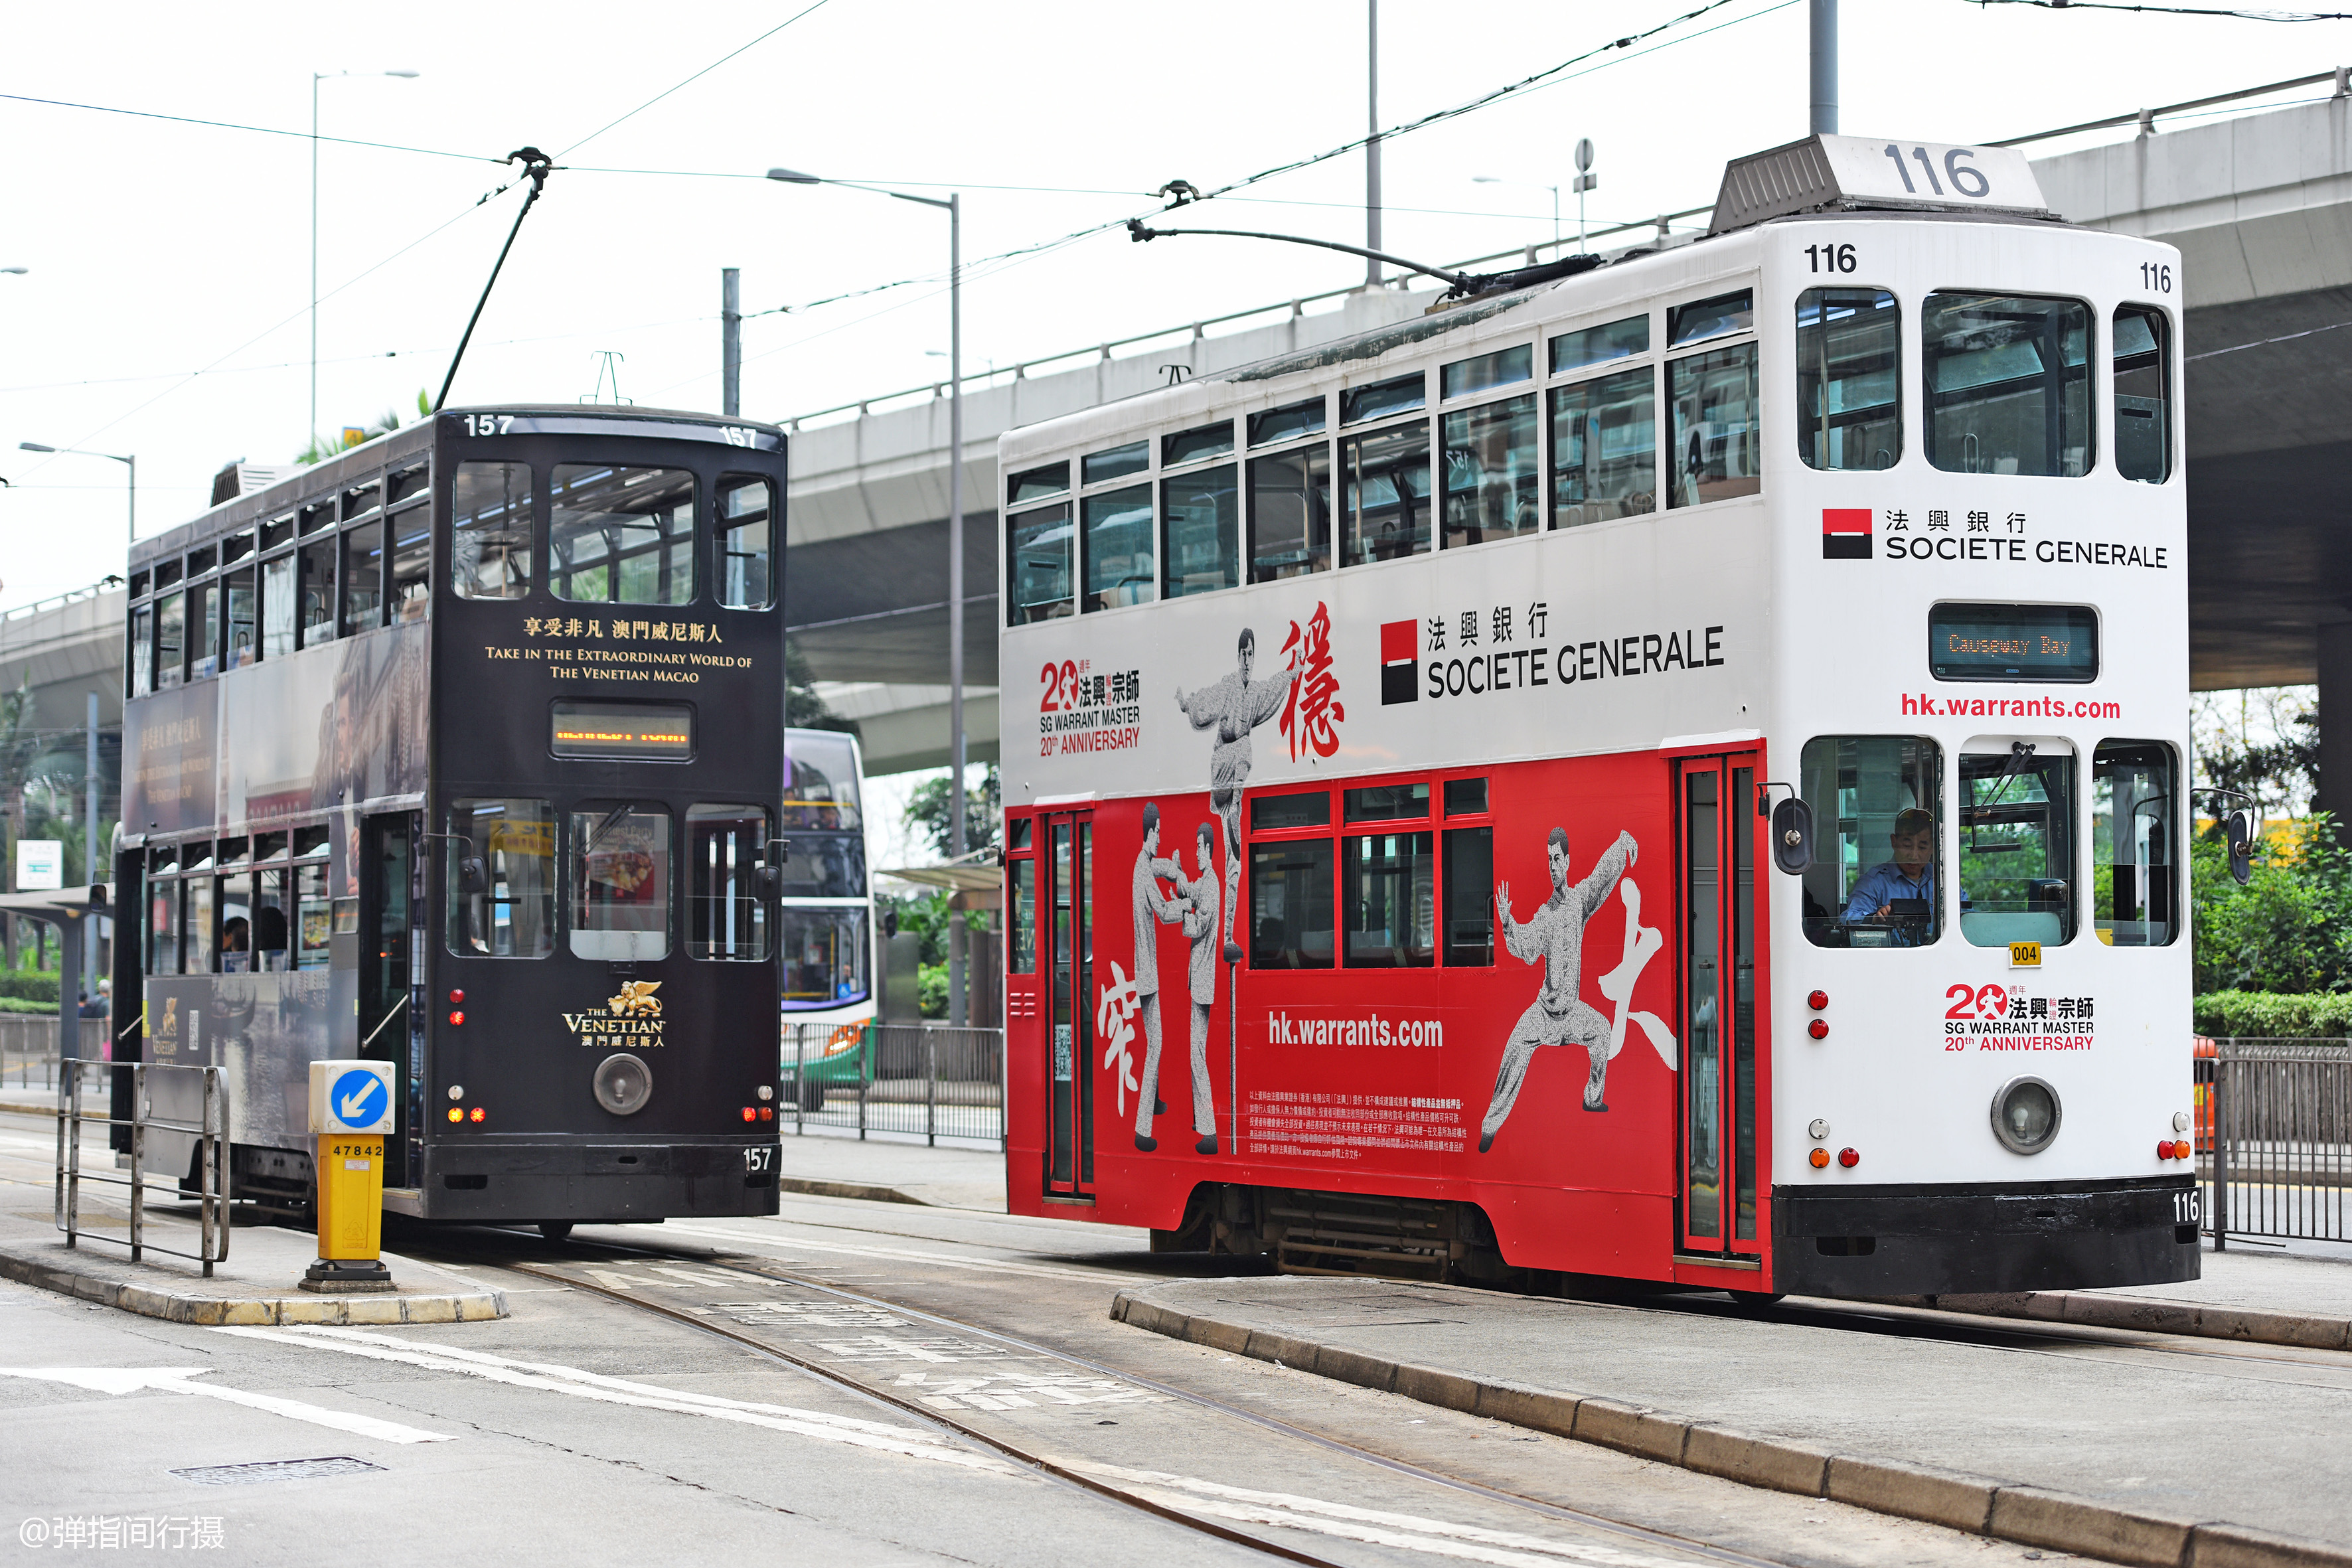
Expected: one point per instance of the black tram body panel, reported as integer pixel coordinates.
(586, 751)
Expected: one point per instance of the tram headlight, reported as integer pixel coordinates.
(2025, 1115)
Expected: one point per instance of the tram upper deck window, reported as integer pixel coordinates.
(1036, 484)
(170, 640)
(1290, 511)
(1718, 317)
(1098, 468)
(317, 591)
(1849, 364)
(141, 652)
(621, 536)
(1485, 371)
(514, 914)
(2135, 866)
(1493, 484)
(2017, 844)
(1379, 399)
(1201, 550)
(362, 578)
(2143, 350)
(1194, 445)
(747, 511)
(1038, 545)
(490, 532)
(1604, 447)
(1287, 423)
(412, 563)
(620, 883)
(1715, 453)
(277, 531)
(2008, 388)
(241, 643)
(204, 630)
(1387, 493)
(1116, 547)
(1877, 804)
(727, 916)
(278, 605)
(1598, 345)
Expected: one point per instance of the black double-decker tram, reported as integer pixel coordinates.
(461, 751)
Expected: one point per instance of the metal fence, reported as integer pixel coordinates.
(29, 1046)
(932, 1079)
(96, 1080)
(2275, 1137)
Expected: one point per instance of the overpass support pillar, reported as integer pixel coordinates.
(2335, 792)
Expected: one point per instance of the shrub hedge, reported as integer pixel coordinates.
(30, 986)
(2325, 1015)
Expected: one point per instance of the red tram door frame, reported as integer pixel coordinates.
(1722, 1118)
(1066, 913)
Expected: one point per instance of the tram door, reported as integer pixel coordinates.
(1719, 829)
(391, 1024)
(1068, 910)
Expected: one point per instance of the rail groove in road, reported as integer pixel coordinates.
(1137, 1488)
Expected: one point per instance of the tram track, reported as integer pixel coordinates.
(1095, 1478)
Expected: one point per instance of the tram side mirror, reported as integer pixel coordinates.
(771, 881)
(473, 876)
(1792, 834)
(2241, 847)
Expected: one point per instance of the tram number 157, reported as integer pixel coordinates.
(758, 1158)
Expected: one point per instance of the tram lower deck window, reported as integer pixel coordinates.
(2135, 866)
(726, 918)
(620, 883)
(1877, 870)
(2017, 843)
(513, 916)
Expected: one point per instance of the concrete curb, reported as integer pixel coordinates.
(2094, 1310)
(209, 1311)
(2027, 1515)
(811, 1187)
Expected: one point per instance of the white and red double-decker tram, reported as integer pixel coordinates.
(1399, 740)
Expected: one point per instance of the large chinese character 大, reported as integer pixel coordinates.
(1311, 715)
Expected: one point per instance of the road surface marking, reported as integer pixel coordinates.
(178, 1380)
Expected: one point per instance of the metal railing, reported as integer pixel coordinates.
(934, 1080)
(29, 1049)
(2275, 1138)
(212, 1157)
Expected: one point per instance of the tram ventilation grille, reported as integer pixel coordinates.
(1337, 1233)
(273, 1470)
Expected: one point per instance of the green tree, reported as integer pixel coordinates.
(927, 810)
(321, 447)
(2289, 929)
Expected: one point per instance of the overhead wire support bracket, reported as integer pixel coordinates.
(535, 167)
(1459, 284)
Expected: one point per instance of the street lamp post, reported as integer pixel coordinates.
(953, 203)
(132, 461)
(312, 437)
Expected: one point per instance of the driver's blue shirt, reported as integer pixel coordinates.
(1884, 883)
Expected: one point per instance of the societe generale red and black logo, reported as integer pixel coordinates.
(1845, 534)
(1400, 661)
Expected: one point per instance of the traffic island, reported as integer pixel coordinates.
(258, 1284)
(1896, 1424)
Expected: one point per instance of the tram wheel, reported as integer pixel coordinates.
(555, 1229)
(1756, 1300)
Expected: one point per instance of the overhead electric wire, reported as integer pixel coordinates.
(697, 75)
(256, 129)
(2175, 10)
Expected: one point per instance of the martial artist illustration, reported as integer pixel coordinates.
(1235, 706)
(1555, 937)
(1201, 924)
(1153, 910)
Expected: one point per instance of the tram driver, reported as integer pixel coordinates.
(1899, 892)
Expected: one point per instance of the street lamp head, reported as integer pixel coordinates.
(795, 177)
(32, 447)
(1484, 180)
(20, 271)
(410, 75)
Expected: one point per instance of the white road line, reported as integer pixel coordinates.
(177, 1380)
(1412, 1532)
(908, 1442)
(991, 1266)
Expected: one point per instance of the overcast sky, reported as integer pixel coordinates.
(159, 250)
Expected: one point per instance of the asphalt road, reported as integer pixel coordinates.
(851, 1383)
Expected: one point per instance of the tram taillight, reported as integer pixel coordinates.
(1818, 1001)
(1821, 1158)
(1819, 1028)
(1849, 1158)
(458, 998)
(457, 1017)
(478, 1114)
(2164, 1149)
(749, 1114)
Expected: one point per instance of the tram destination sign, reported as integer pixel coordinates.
(659, 731)
(2013, 642)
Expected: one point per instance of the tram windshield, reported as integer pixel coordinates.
(1878, 817)
(2008, 384)
(2017, 830)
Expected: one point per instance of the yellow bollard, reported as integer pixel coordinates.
(351, 1109)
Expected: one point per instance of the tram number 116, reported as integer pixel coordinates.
(2185, 1207)
(1830, 258)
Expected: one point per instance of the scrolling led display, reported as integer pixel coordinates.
(2013, 642)
(663, 731)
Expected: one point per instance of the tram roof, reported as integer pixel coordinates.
(387, 450)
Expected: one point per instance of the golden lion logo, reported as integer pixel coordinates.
(636, 1000)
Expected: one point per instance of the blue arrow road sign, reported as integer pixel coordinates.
(358, 1099)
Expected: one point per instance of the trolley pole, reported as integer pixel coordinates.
(1824, 121)
(730, 344)
(1373, 143)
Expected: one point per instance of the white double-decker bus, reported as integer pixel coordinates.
(1400, 740)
